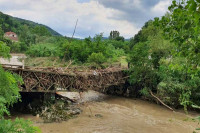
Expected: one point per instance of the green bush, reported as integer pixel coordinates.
(81, 51)
(42, 50)
(97, 58)
(9, 94)
(165, 56)
(76, 50)
(15, 47)
(4, 50)
(17, 126)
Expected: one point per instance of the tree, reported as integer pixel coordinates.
(1, 34)
(41, 31)
(165, 55)
(181, 26)
(143, 34)
(114, 34)
(26, 36)
(97, 58)
(119, 38)
(9, 94)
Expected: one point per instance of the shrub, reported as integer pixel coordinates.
(97, 58)
(15, 47)
(9, 94)
(17, 126)
(4, 50)
(42, 50)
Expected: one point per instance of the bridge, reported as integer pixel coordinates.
(60, 80)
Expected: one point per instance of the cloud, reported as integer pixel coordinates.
(161, 8)
(137, 11)
(95, 16)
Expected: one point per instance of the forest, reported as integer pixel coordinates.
(163, 57)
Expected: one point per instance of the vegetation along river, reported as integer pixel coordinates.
(122, 115)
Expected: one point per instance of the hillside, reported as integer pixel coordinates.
(9, 23)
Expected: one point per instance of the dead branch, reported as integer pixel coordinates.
(161, 101)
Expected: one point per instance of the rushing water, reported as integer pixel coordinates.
(117, 115)
(122, 115)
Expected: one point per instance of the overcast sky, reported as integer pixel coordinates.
(95, 16)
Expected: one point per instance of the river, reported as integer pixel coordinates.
(117, 115)
(122, 115)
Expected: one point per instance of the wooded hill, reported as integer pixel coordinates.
(9, 23)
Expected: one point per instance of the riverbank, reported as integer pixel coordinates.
(122, 115)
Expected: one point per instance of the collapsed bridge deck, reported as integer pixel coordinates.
(53, 80)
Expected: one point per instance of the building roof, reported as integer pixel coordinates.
(11, 35)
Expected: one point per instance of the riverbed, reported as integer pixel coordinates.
(122, 115)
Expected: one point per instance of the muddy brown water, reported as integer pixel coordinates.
(119, 115)
(122, 115)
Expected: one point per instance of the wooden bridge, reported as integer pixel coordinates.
(54, 80)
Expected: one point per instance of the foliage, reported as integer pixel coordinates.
(42, 50)
(80, 51)
(76, 50)
(165, 55)
(97, 58)
(115, 35)
(18, 47)
(9, 23)
(41, 31)
(9, 94)
(143, 34)
(28, 32)
(4, 50)
(26, 36)
(17, 126)
(1, 34)
(183, 25)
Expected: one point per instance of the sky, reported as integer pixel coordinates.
(94, 16)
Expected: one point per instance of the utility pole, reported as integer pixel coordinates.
(75, 29)
(71, 39)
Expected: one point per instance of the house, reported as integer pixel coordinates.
(12, 36)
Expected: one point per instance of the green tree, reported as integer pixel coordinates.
(142, 36)
(114, 34)
(181, 26)
(1, 34)
(97, 58)
(9, 94)
(119, 38)
(165, 55)
(26, 36)
(41, 31)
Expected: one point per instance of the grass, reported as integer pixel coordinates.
(57, 62)
(45, 62)
(123, 61)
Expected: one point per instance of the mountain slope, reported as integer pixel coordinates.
(9, 23)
